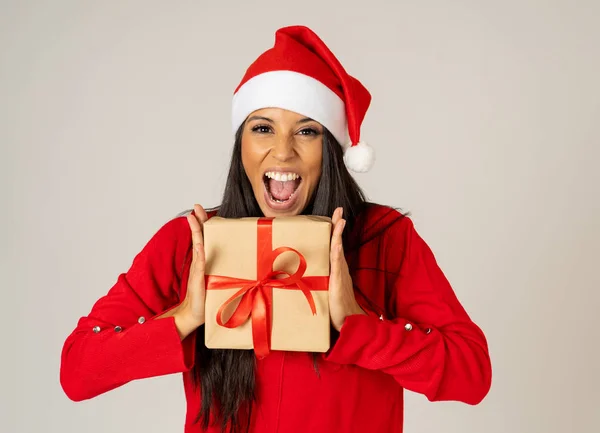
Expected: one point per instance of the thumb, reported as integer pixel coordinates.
(337, 248)
(335, 259)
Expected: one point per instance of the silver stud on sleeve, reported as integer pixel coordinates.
(141, 320)
(381, 317)
(408, 327)
(96, 329)
(118, 329)
(428, 331)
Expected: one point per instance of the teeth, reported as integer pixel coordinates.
(282, 177)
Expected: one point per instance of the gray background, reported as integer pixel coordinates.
(114, 116)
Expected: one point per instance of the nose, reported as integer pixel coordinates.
(283, 150)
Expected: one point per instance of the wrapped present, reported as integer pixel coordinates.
(267, 283)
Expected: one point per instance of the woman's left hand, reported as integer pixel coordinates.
(342, 302)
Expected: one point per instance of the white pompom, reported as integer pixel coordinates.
(360, 157)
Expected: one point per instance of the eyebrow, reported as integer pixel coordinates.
(304, 120)
(259, 118)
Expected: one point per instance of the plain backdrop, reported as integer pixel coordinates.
(115, 116)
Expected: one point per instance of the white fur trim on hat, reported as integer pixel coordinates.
(294, 92)
(360, 157)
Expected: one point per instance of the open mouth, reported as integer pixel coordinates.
(281, 187)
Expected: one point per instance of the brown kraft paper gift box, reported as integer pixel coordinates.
(241, 252)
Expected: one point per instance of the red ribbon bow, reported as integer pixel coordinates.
(257, 295)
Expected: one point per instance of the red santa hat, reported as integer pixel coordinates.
(299, 73)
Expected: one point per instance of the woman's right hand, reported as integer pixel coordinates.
(189, 315)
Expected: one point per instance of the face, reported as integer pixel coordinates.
(282, 153)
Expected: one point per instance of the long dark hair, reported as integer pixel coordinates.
(226, 378)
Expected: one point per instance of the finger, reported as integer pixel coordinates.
(202, 217)
(338, 231)
(196, 229)
(196, 282)
(337, 214)
(337, 248)
(335, 220)
(200, 213)
(335, 261)
(196, 278)
(199, 264)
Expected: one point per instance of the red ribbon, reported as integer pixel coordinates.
(257, 295)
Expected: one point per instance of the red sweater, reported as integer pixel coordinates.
(417, 336)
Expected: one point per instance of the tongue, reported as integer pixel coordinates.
(281, 190)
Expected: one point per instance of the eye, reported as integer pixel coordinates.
(309, 131)
(261, 129)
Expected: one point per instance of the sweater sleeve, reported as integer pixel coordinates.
(429, 344)
(122, 339)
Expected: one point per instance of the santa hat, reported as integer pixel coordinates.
(299, 73)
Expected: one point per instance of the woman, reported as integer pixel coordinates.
(396, 321)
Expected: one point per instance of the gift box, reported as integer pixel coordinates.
(267, 283)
